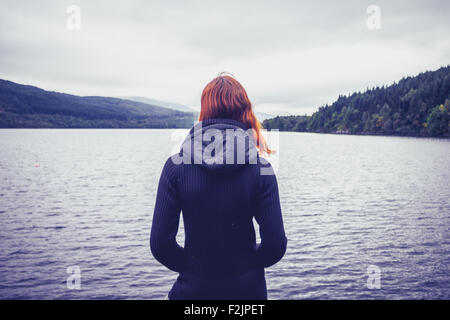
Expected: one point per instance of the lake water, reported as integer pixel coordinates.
(355, 208)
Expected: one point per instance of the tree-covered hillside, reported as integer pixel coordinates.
(415, 106)
(24, 106)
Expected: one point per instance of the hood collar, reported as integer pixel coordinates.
(219, 144)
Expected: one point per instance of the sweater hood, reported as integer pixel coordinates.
(219, 144)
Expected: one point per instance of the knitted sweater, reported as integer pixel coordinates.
(218, 199)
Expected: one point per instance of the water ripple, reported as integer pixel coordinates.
(348, 203)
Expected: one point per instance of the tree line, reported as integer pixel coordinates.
(415, 106)
(23, 106)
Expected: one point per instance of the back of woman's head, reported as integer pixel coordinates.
(224, 97)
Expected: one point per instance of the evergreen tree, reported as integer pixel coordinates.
(415, 106)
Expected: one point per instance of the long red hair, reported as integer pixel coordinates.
(225, 97)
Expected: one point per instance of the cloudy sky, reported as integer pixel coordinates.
(292, 56)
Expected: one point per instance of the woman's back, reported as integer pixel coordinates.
(220, 183)
(219, 200)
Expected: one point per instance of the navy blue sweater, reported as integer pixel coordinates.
(219, 199)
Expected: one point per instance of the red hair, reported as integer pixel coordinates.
(225, 97)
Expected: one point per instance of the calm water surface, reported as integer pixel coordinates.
(349, 202)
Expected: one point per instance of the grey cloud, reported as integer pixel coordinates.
(170, 49)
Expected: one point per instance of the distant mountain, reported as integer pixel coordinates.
(164, 104)
(260, 115)
(415, 106)
(263, 116)
(23, 106)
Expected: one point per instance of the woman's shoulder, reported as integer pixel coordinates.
(265, 167)
(170, 166)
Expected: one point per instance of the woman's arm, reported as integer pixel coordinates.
(273, 239)
(166, 217)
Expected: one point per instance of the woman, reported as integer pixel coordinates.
(220, 182)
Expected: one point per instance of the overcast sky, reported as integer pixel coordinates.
(291, 56)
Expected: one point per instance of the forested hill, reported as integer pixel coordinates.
(415, 106)
(24, 106)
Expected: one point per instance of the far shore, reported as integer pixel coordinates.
(187, 128)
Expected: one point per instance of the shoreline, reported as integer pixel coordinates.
(187, 128)
(363, 134)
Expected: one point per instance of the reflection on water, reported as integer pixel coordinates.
(85, 198)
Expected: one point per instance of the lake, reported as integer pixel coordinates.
(367, 217)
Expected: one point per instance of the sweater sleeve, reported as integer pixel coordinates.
(166, 217)
(273, 239)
